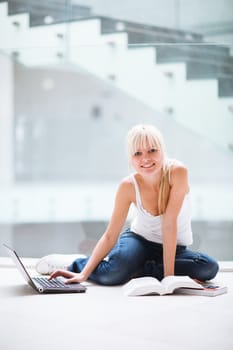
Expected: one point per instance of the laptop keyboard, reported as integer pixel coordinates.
(54, 283)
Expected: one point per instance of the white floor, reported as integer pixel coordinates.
(103, 318)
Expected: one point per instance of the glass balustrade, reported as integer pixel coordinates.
(72, 82)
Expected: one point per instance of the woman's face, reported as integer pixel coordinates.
(147, 160)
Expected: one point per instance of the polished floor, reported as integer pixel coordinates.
(103, 318)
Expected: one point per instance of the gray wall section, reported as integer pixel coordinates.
(75, 131)
(35, 240)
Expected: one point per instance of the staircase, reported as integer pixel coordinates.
(173, 72)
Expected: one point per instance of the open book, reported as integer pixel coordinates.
(169, 285)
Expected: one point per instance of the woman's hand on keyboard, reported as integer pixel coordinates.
(72, 277)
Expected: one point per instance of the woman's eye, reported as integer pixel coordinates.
(152, 150)
(136, 154)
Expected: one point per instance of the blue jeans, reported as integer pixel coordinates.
(134, 256)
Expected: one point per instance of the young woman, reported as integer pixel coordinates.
(156, 242)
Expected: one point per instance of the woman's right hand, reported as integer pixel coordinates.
(72, 277)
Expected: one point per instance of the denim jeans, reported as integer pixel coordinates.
(134, 256)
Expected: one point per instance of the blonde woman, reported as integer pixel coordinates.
(156, 242)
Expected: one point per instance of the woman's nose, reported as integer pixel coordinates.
(146, 158)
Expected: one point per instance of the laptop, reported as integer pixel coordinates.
(42, 284)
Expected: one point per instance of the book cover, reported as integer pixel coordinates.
(210, 289)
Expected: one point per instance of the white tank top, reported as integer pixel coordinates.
(150, 226)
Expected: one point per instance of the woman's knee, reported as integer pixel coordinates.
(205, 268)
(196, 265)
(208, 270)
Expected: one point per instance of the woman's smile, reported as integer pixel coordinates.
(147, 166)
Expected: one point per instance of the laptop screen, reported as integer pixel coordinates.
(19, 264)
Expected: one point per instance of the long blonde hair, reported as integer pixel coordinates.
(137, 138)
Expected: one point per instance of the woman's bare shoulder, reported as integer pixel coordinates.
(179, 173)
(176, 165)
(127, 182)
(179, 168)
(126, 186)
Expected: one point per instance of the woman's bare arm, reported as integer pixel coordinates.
(110, 236)
(179, 188)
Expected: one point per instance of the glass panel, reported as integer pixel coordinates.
(70, 90)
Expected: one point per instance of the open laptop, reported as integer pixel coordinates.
(42, 284)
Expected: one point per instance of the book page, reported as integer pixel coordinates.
(143, 286)
(171, 283)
